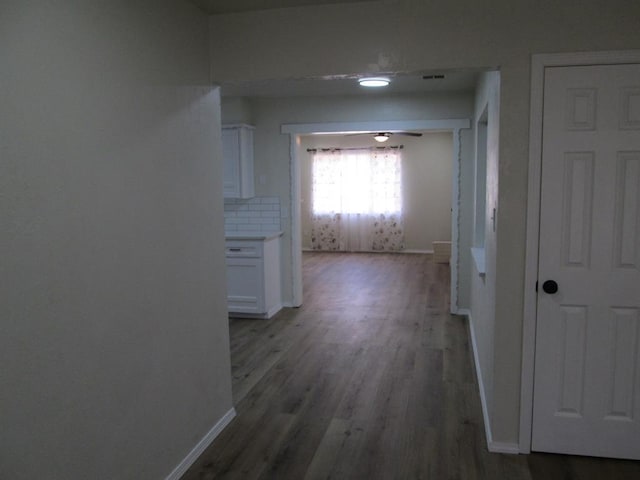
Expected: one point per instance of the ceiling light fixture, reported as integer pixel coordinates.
(381, 137)
(374, 81)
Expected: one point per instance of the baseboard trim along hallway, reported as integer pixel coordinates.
(494, 447)
(202, 445)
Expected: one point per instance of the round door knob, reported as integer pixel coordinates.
(550, 287)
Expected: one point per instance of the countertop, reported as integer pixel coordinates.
(252, 235)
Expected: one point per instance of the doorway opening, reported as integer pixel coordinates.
(298, 132)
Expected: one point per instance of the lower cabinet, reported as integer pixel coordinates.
(253, 277)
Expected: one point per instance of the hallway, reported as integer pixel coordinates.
(371, 378)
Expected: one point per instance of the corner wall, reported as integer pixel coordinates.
(114, 339)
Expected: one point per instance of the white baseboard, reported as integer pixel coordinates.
(275, 309)
(193, 455)
(494, 447)
(372, 251)
(262, 316)
(504, 447)
(483, 397)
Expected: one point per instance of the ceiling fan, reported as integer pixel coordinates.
(384, 136)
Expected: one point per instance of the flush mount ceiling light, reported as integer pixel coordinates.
(374, 81)
(381, 137)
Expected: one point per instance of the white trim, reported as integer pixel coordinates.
(363, 127)
(296, 220)
(454, 262)
(273, 310)
(426, 252)
(263, 316)
(483, 397)
(193, 455)
(294, 130)
(538, 65)
(494, 447)
(510, 448)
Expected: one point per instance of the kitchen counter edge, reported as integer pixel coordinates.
(252, 235)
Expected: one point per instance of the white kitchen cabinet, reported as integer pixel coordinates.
(237, 152)
(253, 277)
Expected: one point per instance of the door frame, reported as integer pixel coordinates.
(538, 64)
(295, 130)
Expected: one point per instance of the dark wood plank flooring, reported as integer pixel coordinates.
(371, 378)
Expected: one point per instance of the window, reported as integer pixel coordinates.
(362, 181)
(356, 200)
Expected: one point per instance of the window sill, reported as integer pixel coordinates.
(479, 259)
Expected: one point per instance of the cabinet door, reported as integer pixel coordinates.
(237, 151)
(245, 285)
(246, 163)
(231, 167)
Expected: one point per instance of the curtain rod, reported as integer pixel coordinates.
(337, 149)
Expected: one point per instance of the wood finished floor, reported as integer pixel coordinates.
(370, 379)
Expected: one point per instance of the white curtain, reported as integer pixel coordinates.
(357, 200)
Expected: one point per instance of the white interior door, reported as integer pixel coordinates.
(587, 360)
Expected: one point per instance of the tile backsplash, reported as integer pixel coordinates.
(257, 214)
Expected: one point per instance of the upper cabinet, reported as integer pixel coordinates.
(237, 151)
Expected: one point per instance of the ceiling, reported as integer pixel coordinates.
(217, 7)
(454, 81)
(400, 84)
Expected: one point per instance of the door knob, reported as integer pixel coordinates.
(550, 287)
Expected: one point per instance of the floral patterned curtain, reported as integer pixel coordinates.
(357, 200)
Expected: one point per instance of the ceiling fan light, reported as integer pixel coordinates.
(374, 81)
(381, 137)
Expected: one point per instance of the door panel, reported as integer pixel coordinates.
(578, 209)
(587, 362)
(627, 219)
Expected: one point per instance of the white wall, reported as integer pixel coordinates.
(483, 287)
(272, 149)
(405, 35)
(426, 177)
(114, 337)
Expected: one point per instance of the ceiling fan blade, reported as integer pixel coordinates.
(409, 134)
